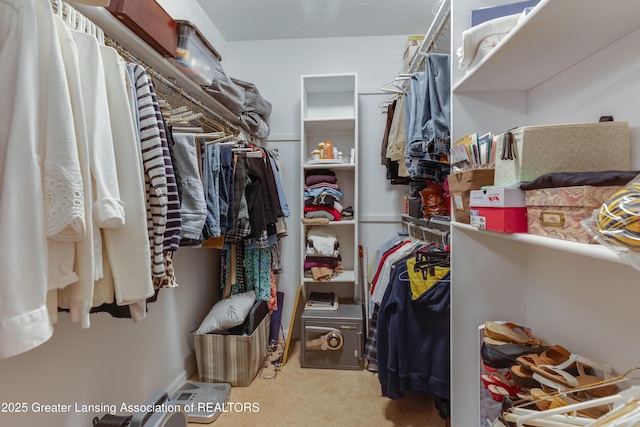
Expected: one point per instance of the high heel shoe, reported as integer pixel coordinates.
(500, 386)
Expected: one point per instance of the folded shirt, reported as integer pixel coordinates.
(310, 212)
(571, 179)
(317, 179)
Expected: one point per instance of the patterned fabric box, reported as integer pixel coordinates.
(525, 153)
(557, 212)
(233, 359)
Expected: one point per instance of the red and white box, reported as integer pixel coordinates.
(499, 209)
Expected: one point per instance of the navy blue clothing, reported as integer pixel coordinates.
(413, 338)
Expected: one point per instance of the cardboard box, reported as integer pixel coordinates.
(557, 212)
(460, 186)
(413, 44)
(494, 197)
(504, 220)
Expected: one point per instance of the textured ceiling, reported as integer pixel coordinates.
(289, 19)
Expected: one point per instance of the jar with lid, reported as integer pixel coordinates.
(315, 155)
(327, 150)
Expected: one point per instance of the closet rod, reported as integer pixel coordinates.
(440, 21)
(171, 85)
(141, 50)
(400, 84)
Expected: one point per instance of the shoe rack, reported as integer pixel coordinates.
(551, 69)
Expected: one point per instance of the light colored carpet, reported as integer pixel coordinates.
(325, 397)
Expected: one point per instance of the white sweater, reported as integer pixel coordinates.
(128, 247)
(24, 322)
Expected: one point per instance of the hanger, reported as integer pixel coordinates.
(68, 13)
(427, 261)
(57, 7)
(219, 140)
(388, 101)
(179, 129)
(566, 415)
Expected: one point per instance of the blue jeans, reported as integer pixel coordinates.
(211, 180)
(227, 221)
(436, 128)
(193, 206)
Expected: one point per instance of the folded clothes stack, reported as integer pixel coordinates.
(322, 196)
(322, 254)
(531, 377)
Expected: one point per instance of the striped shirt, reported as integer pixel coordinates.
(154, 169)
(173, 226)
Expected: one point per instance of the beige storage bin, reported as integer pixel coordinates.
(585, 147)
(233, 359)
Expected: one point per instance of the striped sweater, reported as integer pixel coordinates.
(173, 226)
(154, 169)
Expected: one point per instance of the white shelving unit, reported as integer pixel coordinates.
(329, 111)
(552, 68)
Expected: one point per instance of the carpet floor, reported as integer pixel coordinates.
(324, 397)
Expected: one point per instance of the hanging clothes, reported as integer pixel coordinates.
(193, 203)
(413, 338)
(155, 172)
(127, 247)
(24, 322)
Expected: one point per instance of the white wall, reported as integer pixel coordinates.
(275, 66)
(605, 84)
(115, 361)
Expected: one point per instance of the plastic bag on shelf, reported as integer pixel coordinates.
(616, 225)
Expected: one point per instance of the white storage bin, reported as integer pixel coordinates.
(194, 55)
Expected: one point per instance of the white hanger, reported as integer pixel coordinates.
(197, 130)
(563, 414)
(57, 7)
(70, 17)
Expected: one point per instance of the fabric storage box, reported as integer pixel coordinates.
(233, 359)
(149, 21)
(460, 186)
(557, 212)
(484, 14)
(194, 55)
(503, 220)
(525, 153)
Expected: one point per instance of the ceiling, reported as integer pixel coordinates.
(239, 20)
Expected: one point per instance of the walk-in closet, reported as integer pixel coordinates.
(319, 213)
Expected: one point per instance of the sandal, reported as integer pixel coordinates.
(555, 376)
(505, 333)
(594, 412)
(522, 373)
